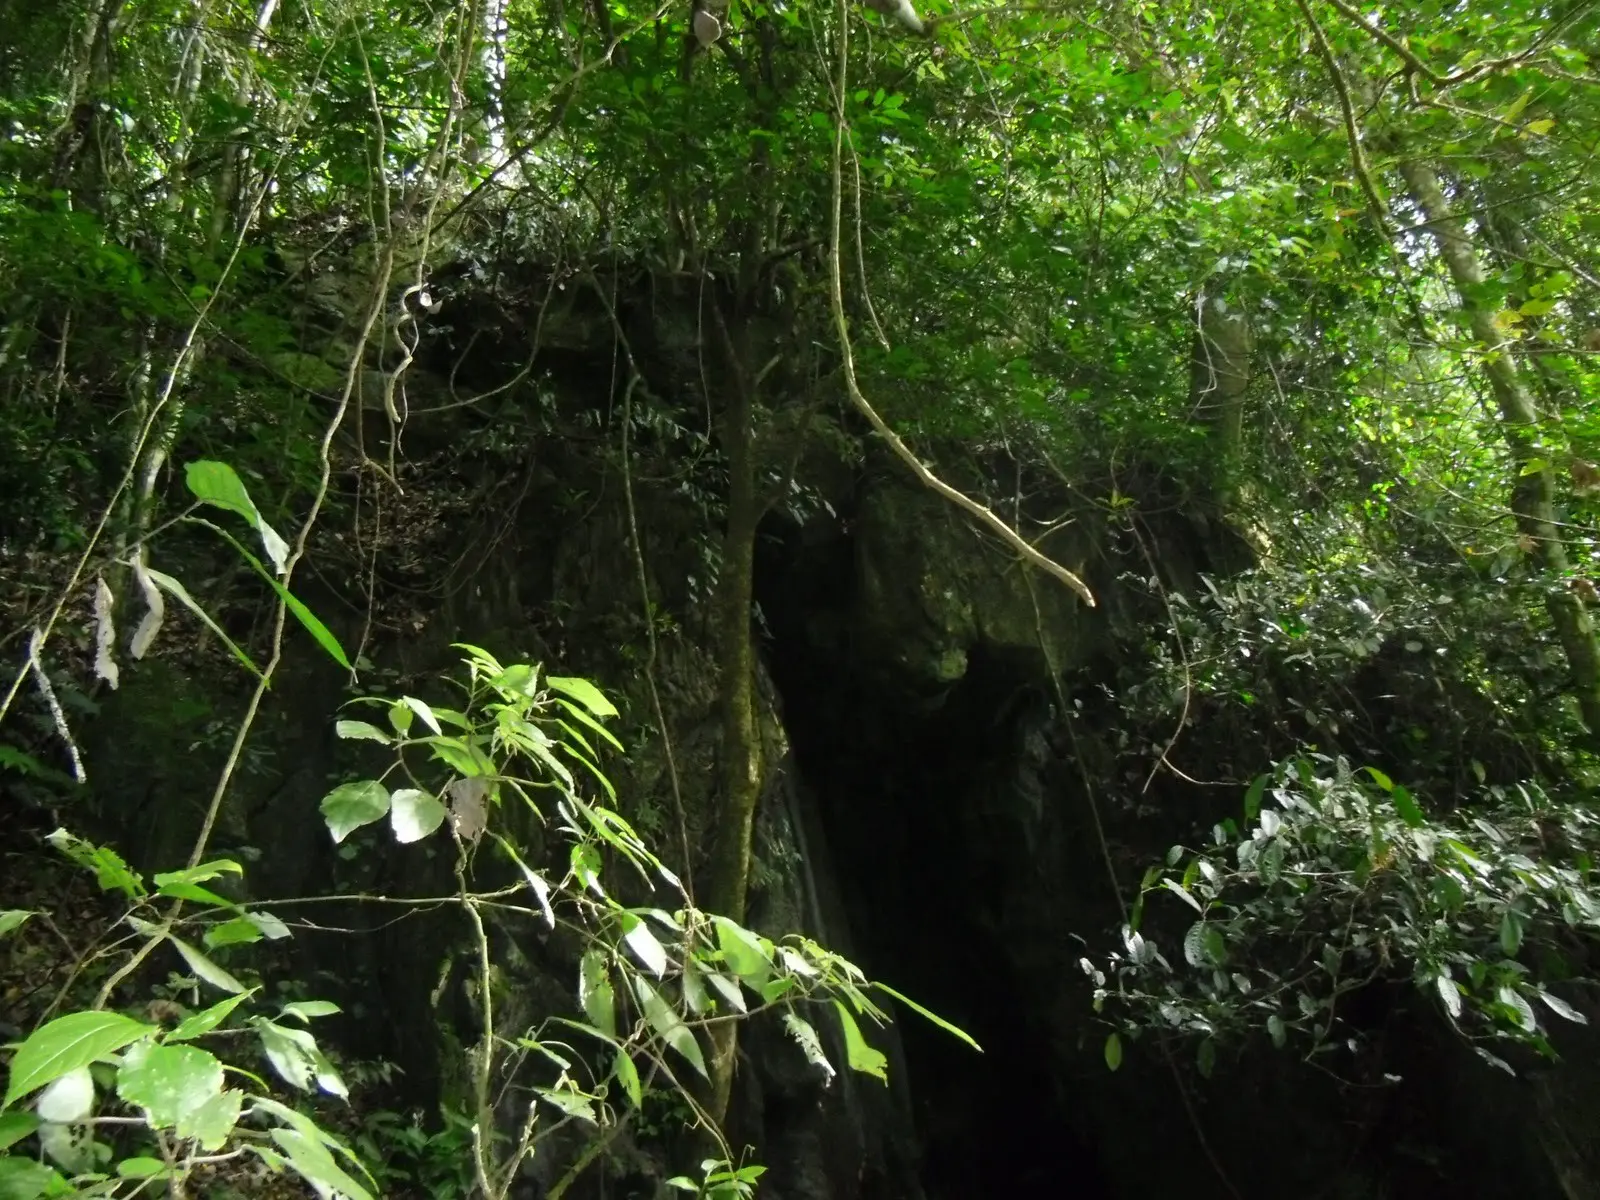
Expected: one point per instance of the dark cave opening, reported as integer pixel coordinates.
(897, 778)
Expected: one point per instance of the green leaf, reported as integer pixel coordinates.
(457, 754)
(422, 710)
(1511, 932)
(201, 1023)
(582, 716)
(728, 989)
(180, 593)
(26, 764)
(1406, 805)
(584, 692)
(169, 1082)
(240, 931)
(308, 1010)
(541, 888)
(414, 815)
(217, 484)
(692, 984)
(1561, 1008)
(1206, 1058)
(11, 919)
(270, 926)
(858, 1053)
(200, 874)
(569, 1101)
(294, 1055)
(1380, 778)
(310, 1158)
(194, 892)
(810, 1044)
(1252, 797)
(140, 1168)
(746, 955)
(308, 620)
(1518, 1008)
(67, 1043)
(628, 1075)
(110, 872)
(666, 1022)
(14, 1126)
(24, 1179)
(400, 716)
(351, 805)
(595, 993)
(643, 942)
(1449, 993)
(928, 1015)
(1277, 1030)
(205, 968)
(1177, 889)
(1113, 1051)
(358, 730)
(1269, 863)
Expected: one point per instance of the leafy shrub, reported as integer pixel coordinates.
(1337, 880)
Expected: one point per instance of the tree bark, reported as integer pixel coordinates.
(1533, 494)
(739, 779)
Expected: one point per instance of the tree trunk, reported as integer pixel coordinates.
(1533, 495)
(728, 878)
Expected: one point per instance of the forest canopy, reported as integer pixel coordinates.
(1320, 277)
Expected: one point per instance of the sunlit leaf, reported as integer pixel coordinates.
(66, 1044)
(351, 805)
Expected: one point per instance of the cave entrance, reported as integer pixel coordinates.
(898, 783)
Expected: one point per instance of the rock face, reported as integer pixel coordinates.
(941, 806)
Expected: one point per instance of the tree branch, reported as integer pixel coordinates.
(853, 388)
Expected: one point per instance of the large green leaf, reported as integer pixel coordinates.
(205, 968)
(747, 953)
(169, 1082)
(201, 1023)
(312, 1160)
(858, 1053)
(351, 805)
(319, 632)
(643, 942)
(295, 1056)
(67, 1043)
(414, 815)
(584, 692)
(212, 1123)
(11, 919)
(217, 483)
(14, 1126)
(929, 1015)
(664, 1019)
(25, 1179)
(595, 992)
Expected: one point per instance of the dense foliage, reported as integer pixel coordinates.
(1319, 275)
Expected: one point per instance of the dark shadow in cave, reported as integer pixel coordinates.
(896, 779)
